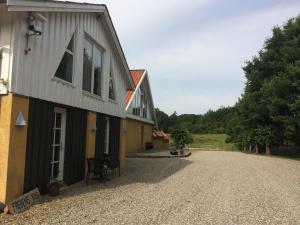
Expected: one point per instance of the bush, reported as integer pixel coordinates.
(181, 136)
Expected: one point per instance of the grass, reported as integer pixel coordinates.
(211, 142)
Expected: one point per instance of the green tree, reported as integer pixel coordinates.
(181, 136)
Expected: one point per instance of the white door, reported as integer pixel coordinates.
(58, 145)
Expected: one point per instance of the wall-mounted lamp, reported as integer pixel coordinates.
(94, 127)
(33, 28)
(20, 122)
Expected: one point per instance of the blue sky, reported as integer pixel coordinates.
(194, 49)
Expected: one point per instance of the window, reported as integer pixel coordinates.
(65, 68)
(140, 102)
(92, 68)
(111, 93)
(106, 141)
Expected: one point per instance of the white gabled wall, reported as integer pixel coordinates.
(6, 19)
(149, 106)
(32, 74)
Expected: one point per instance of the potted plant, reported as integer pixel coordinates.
(181, 137)
(54, 187)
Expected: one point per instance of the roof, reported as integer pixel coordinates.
(161, 134)
(61, 6)
(136, 76)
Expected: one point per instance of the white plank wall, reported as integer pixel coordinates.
(32, 74)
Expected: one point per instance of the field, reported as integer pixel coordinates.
(211, 142)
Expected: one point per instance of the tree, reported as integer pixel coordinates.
(181, 136)
(162, 120)
(268, 111)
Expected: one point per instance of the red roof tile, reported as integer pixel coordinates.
(161, 134)
(136, 77)
(128, 96)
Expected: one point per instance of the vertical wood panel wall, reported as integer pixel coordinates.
(114, 139)
(33, 73)
(74, 164)
(39, 145)
(39, 141)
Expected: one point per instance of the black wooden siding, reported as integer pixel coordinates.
(39, 145)
(39, 141)
(114, 137)
(100, 135)
(114, 140)
(74, 162)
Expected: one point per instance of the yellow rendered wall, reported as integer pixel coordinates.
(5, 118)
(12, 146)
(90, 135)
(159, 143)
(138, 133)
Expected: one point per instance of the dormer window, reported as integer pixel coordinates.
(65, 68)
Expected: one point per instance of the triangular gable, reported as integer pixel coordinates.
(140, 77)
(136, 77)
(56, 6)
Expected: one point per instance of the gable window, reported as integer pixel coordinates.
(140, 102)
(65, 68)
(106, 140)
(111, 93)
(92, 67)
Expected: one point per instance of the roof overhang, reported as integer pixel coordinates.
(56, 6)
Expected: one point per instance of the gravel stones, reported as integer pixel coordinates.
(207, 188)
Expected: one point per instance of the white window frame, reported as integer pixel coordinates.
(73, 56)
(140, 98)
(61, 144)
(111, 77)
(102, 50)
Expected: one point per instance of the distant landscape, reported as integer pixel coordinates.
(266, 118)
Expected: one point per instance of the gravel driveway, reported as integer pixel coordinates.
(218, 188)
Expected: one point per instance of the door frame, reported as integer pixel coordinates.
(63, 113)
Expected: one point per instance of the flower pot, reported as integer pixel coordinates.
(54, 189)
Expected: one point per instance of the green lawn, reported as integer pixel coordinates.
(211, 142)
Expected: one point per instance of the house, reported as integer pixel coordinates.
(140, 112)
(160, 140)
(63, 82)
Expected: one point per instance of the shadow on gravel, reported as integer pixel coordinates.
(136, 170)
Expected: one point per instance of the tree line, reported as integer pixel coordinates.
(266, 118)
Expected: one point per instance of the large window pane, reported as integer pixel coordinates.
(65, 68)
(97, 71)
(87, 66)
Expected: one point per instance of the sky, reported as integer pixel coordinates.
(194, 50)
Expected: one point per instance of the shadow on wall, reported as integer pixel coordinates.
(147, 171)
